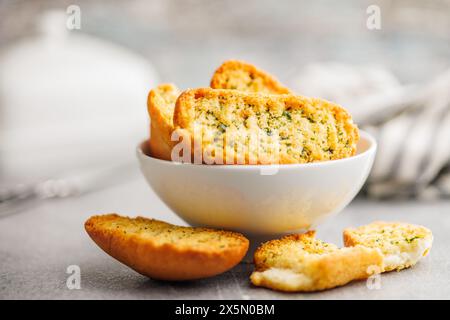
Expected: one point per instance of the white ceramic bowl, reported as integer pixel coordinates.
(261, 200)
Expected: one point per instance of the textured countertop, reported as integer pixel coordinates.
(38, 244)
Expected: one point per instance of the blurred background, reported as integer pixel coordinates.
(74, 78)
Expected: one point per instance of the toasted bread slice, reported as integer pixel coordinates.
(240, 75)
(300, 262)
(402, 244)
(164, 251)
(253, 128)
(160, 104)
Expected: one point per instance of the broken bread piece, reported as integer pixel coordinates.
(402, 244)
(236, 127)
(160, 104)
(240, 75)
(300, 262)
(164, 251)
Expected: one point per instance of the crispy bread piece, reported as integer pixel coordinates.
(240, 75)
(402, 244)
(253, 128)
(160, 104)
(300, 262)
(164, 251)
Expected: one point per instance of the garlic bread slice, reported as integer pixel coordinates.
(402, 244)
(236, 127)
(243, 76)
(300, 262)
(160, 105)
(164, 251)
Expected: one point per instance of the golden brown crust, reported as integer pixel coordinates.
(240, 75)
(172, 253)
(160, 104)
(303, 263)
(336, 143)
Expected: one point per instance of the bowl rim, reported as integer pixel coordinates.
(364, 135)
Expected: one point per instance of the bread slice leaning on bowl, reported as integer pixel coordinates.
(243, 76)
(232, 74)
(236, 127)
(164, 251)
(402, 244)
(160, 105)
(300, 262)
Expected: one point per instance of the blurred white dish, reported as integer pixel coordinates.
(297, 197)
(73, 100)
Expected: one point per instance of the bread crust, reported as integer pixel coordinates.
(187, 104)
(406, 243)
(160, 105)
(164, 260)
(240, 75)
(309, 268)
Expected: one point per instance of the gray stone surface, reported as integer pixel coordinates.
(39, 243)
